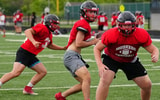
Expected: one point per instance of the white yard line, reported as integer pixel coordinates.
(46, 88)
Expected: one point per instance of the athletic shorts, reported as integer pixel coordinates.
(19, 24)
(2, 27)
(100, 27)
(73, 61)
(132, 70)
(26, 58)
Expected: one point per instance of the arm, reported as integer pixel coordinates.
(56, 47)
(29, 34)
(154, 52)
(80, 43)
(97, 53)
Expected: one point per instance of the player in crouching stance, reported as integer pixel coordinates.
(73, 61)
(38, 38)
(121, 45)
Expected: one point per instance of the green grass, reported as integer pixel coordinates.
(59, 79)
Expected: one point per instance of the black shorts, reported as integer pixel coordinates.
(26, 58)
(100, 27)
(132, 70)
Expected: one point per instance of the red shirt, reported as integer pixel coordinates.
(42, 35)
(124, 49)
(114, 20)
(19, 17)
(102, 20)
(140, 18)
(82, 24)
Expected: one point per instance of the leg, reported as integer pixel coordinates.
(145, 84)
(85, 80)
(104, 83)
(16, 71)
(83, 77)
(41, 72)
(4, 33)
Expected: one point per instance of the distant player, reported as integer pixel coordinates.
(80, 33)
(120, 45)
(38, 38)
(2, 23)
(102, 21)
(114, 20)
(19, 20)
(141, 20)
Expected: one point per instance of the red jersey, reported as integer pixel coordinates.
(19, 17)
(114, 20)
(42, 35)
(82, 24)
(124, 49)
(102, 20)
(141, 19)
(42, 18)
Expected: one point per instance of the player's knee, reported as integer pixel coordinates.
(147, 86)
(43, 73)
(105, 81)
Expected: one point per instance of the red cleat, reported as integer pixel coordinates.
(4, 35)
(59, 96)
(28, 91)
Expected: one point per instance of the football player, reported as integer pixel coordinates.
(2, 23)
(102, 21)
(38, 38)
(114, 20)
(73, 61)
(121, 45)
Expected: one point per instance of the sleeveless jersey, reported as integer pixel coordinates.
(84, 26)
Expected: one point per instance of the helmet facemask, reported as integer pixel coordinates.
(86, 10)
(51, 21)
(90, 17)
(127, 28)
(126, 23)
(53, 25)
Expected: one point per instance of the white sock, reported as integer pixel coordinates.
(0, 83)
(30, 84)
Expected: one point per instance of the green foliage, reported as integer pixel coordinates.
(38, 6)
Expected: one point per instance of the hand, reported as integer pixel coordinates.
(102, 69)
(99, 34)
(154, 58)
(36, 44)
(65, 47)
(95, 40)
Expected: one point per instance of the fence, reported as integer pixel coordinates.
(72, 12)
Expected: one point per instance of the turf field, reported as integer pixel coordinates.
(59, 79)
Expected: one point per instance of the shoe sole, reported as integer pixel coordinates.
(26, 93)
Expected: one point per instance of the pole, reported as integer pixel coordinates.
(57, 6)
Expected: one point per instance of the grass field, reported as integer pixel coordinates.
(59, 79)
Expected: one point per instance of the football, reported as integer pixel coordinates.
(99, 34)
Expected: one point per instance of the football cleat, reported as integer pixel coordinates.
(59, 96)
(4, 35)
(29, 91)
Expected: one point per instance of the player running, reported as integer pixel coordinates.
(38, 38)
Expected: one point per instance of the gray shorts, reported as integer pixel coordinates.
(19, 24)
(2, 27)
(73, 61)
